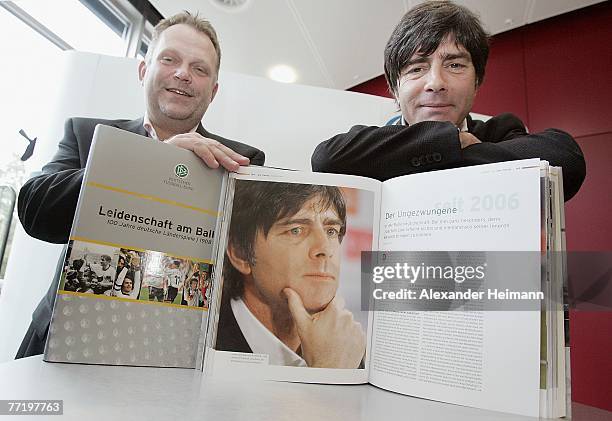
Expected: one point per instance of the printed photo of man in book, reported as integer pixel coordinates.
(281, 277)
(90, 268)
(174, 279)
(170, 279)
(129, 274)
(194, 292)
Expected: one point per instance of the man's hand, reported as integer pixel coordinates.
(330, 338)
(211, 151)
(467, 139)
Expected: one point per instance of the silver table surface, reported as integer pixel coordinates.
(133, 393)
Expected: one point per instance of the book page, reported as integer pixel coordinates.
(485, 359)
(559, 287)
(136, 270)
(287, 299)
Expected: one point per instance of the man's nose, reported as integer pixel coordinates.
(321, 245)
(182, 73)
(436, 79)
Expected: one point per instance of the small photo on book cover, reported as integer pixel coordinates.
(146, 275)
(175, 280)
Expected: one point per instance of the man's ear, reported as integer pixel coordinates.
(214, 91)
(394, 93)
(241, 264)
(142, 70)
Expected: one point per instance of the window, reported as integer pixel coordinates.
(73, 22)
(7, 204)
(34, 32)
(145, 40)
(19, 93)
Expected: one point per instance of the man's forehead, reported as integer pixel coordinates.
(181, 31)
(448, 46)
(184, 39)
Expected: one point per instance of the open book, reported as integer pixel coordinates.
(293, 298)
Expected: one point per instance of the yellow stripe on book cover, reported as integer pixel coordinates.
(154, 198)
(130, 300)
(122, 246)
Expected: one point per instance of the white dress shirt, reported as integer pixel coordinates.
(148, 126)
(261, 340)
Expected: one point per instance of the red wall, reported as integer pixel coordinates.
(558, 73)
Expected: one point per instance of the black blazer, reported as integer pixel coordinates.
(392, 151)
(47, 203)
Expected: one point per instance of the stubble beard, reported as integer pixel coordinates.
(174, 122)
(177, 120)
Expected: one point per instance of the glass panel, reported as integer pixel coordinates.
(23, 95)
(142, 49)
(76, 24)
(7, 204)
(109, 18)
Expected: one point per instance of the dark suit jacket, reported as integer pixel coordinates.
(229, 335)
(47, 202)
(391, 151)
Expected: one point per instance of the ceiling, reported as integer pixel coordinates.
(334, 43)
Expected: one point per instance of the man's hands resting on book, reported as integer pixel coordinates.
(330, 338)
(212, 152)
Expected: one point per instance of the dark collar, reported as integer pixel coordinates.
(470, 123)
(134, 126)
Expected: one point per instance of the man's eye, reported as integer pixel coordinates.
(296, 230)
(415, 70)
(457, 66)
(166, 60)
(200, 70)
(333, 232)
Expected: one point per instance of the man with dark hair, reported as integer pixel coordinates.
(74, 276)
(434, 64)
(179, 76)
(281, 274)
(130, 285)
(129, 276)
(192, 294)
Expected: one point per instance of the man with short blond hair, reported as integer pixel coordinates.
(179, 76)
(186, 18)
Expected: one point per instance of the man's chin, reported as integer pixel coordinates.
(176, 111)
(317, 306)
(178, 114)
